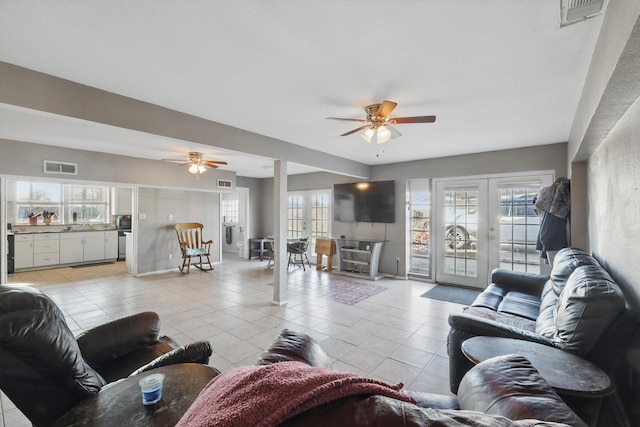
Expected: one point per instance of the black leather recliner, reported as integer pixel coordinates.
(46, 371)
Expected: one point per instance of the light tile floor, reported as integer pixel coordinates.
(395, 335)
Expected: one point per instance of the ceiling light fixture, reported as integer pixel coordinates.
(377, 134)
(196, 160)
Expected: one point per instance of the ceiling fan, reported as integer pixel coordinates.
(197, 162)
(377, 124)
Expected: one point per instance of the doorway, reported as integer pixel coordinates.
(235, 219)
(308, 216)
(485, 223)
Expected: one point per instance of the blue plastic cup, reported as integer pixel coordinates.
(151, 387)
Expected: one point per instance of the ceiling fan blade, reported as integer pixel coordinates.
(416, 119)
(348, 120)
(386, 108)
(355, 130)
(213, 162)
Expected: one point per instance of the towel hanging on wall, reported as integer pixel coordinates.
(228, 234)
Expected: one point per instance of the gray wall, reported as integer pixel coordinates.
(156, 234)
(546, 157)
(614, 200)
(604, 152)
(25, 159)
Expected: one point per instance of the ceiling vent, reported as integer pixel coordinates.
(224, 183)
(573, 11)
(60, 168)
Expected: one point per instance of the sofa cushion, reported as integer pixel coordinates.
(565, 262)
(588, 304)
(546, 321)
(510, 386)
(506, 319)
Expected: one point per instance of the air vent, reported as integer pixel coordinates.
(573, 11)
(60, 168)
(224, 183)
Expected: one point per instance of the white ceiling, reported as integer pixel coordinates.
(497, 74)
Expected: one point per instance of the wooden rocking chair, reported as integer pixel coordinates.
(192, 245)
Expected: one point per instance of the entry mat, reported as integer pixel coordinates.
(451, 293)
(339, 290)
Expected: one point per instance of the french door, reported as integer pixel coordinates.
(308, 216)
(482, 224)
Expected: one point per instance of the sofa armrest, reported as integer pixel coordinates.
(511, 387)
(114, 339)
(519, 281)
(465, 326)
(196, 352)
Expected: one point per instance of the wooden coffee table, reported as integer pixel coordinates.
(565, 372)
(120, 403)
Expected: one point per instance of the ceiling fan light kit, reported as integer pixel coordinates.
(197, 163)
(377, 127)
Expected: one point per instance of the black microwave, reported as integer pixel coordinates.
(124, 222)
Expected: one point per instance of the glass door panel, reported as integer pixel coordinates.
(461, 243)
(420, 226)
(308, 216)
(517, 224)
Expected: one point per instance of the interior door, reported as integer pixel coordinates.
(461, 242)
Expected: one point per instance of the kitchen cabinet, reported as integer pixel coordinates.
(82, 247)
(123, 201)
(46, 249)
(50, 249)
(94, 246)
(23, 251)
(71, 248)
(111, 244)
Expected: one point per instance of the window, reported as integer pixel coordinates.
(89, 204)
(84, 203)
(230, 210)
(36, 198)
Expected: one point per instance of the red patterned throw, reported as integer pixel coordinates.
(267, 395)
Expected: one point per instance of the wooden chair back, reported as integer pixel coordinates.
(193, 245)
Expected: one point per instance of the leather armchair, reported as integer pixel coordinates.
(46, 370)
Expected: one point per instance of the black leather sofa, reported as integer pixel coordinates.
(579, 309)
(45, 370)
(503, 391)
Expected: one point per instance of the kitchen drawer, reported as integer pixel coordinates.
(46, 246)
(23, 238)
(46, 237)
(40, 260)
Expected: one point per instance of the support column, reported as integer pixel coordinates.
(280, 231)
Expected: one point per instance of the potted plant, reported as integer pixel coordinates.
(33, 217)
(47, 215)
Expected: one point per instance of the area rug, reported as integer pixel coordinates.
(340, 290)
(451, 293)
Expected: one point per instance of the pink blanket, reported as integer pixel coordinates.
(267, 395)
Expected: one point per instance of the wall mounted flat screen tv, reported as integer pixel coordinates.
(370, 201)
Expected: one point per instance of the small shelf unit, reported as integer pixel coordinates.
(359, 258)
